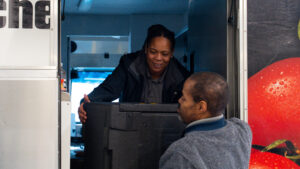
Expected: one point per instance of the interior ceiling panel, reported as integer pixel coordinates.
(126, 6)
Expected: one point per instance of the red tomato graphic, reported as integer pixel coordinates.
(266, 160)
(274, 103)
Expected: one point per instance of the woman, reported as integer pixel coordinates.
(151, 75)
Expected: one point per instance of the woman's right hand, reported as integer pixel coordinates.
(81, 111)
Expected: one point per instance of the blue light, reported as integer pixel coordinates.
(85, 5)
(91, 77)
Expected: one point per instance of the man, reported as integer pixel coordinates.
(210, 141)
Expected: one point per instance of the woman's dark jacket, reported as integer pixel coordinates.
(127, 81)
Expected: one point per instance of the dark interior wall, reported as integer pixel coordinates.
(181, 48)
(207, 22)
(272, 32)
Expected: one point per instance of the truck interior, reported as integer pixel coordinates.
(55, 51)
(95, 34)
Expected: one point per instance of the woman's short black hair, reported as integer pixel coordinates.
(158, 30)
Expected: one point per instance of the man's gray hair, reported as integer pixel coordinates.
(212, 88)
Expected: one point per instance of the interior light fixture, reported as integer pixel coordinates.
(84, 5)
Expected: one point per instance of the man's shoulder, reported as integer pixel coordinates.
(241, 126)
(240, 123)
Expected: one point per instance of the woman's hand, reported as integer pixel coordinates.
(81, 111)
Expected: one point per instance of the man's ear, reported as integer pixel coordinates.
(202, 106)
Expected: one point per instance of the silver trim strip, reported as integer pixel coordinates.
(243, 59)
(28, 73)
(28, 67)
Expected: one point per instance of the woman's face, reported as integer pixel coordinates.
(158, 55)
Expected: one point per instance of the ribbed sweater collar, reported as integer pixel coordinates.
(206, 124)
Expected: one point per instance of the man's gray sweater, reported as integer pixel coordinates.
(211, 146)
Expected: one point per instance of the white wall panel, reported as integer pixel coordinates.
(23, 40)
(29, 124)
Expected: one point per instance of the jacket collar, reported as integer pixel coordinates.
(173, 73)
(206, 125)
(138, 68)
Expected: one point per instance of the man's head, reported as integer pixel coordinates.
(204, 95)
(159, 48)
